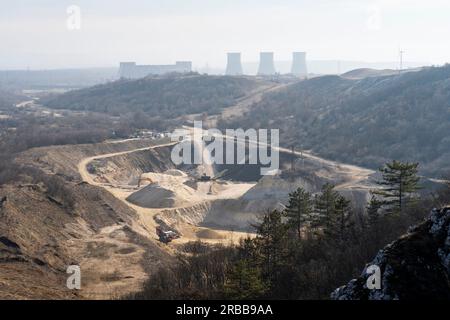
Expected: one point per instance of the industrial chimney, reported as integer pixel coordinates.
(299, 64)
(234, 66)
(266, 64)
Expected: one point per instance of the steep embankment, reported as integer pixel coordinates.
(64, 160)
(127, 168)
(58, 220)
(415, 267)
(44, 233)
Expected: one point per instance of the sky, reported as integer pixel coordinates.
(49, 34)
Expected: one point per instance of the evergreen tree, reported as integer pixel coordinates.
(342, 223)
(299, 210)
(399, 184)
(244, 281)
(325, 205)
(373, 210)
(338, 221)
(272, 243)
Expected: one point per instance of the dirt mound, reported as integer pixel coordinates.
(157, 196)
(274, 187)
(161, 178)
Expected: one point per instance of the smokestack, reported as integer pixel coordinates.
(234, 66)
(266, 64)
(299, 64)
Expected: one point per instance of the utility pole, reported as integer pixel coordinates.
(401, 60)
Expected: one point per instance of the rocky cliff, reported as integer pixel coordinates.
(416, 266)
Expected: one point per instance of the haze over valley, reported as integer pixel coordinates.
(227, 160)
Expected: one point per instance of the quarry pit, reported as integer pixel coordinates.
(224, 207)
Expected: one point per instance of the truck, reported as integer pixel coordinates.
(166, 236)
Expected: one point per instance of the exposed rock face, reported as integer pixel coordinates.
(416, 266)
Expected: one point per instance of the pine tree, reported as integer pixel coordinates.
(399, 184)
(338, 222)
(299, 210)
(373, 210)
(325, 205)
(342, 223)
(272, 243)
(244, 282)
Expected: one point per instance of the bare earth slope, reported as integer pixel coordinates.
(41, 234)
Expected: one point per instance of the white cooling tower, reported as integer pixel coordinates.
(299, 64)
(234, 65)
(266, 64)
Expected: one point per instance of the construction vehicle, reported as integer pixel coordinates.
(166, 236)
(206, 178)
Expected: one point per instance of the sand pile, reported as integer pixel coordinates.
(164, 190)
(162, 178)
(273, 187)
(175, 172)
(157, 196)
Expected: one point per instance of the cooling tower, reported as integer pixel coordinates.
(126, 69)
(266, 64)
(299, 64)
(234, 66)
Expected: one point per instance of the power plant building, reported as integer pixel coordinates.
(266, 64)
(131, 70)
(299, 64)
(234, 65)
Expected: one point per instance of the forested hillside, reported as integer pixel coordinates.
(167, 96)
(365, 122)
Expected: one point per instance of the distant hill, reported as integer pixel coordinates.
(60, 78)
(9, 99)
(367, 72)
(164, 96)
(366, 122)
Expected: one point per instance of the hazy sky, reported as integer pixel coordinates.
(34, 33)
